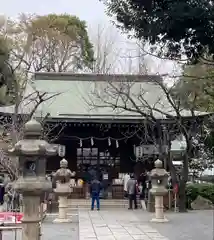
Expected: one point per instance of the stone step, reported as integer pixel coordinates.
(105, 203)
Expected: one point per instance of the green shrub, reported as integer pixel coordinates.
(203, 189)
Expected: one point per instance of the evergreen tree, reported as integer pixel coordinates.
(180, 27)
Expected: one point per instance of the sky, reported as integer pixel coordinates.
(88, 10)
(93, 12)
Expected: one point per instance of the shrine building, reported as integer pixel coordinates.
(80, 114)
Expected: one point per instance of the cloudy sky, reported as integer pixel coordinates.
(93, 12)
(89, 10)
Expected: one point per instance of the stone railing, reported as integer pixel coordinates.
(8, 228)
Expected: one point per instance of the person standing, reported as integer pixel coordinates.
(142, 183)
(95, 189)
(126, 179)
(132, 191)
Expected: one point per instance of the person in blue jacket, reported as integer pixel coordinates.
(95, 189)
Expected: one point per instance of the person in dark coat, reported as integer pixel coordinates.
(95, 189)
(132, 191)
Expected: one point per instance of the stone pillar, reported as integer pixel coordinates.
(159, 207)
(159, 180)
(31, 183)
(62, 191)
(63, 207)
(31, 219)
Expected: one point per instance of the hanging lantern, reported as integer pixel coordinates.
(109, 141)
(61, 150)
(138, 151)
(117, 144)
(92, 141)
(80, 142)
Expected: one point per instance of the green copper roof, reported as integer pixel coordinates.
(88, 96)
(83, 96)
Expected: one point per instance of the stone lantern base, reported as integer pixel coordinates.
(62, 191)
(159, 220)
(58, 220)
(159, 213)
(63, 208)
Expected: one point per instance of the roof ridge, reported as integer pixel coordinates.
(65, 76)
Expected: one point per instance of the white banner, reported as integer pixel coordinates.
(61, 150)
(148, 150)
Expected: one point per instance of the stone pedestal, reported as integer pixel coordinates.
(63, 190)
(63, 208)
(31, 190)
(31, 219)
(159, 210)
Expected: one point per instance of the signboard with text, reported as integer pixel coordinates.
(11, 217)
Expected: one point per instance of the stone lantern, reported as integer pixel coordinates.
(63, 189)
(159, 178)
(32, 152)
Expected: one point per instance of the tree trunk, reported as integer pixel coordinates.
(182, 184)
(172, 171)
(182, 196)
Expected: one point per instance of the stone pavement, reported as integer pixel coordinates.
(193, 225)
(114, 225)
(125, 225)
(52, 231)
